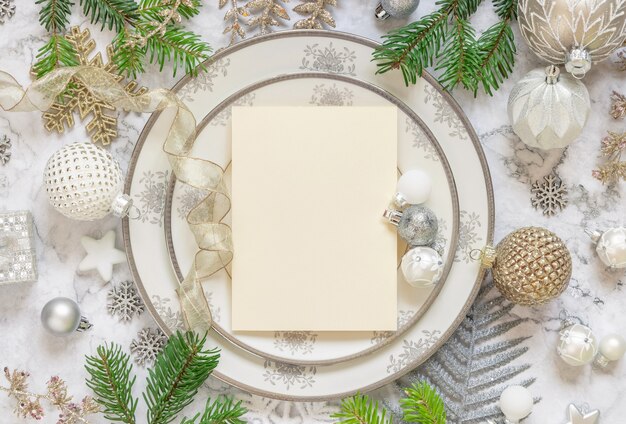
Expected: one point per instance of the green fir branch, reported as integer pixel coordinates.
(110, 13)
(423, 405)
(221, 411)
(182, 48)
(178, 372)
(55, 53)
(54, 15)
(128, 58)
(112, 383)
(361, 409)
(459, 59)
(151, 9)
(446, 39)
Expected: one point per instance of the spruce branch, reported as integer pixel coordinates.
(221, 411)
(423, 405)
(183, 48)
(178, 372)
(496, 48)
(54, 17)
(128, 58)
(110, 13)
(459, 59)
(112, 383)
(361, 409)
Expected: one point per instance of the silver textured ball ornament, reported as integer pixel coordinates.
(422, 267)
(395, 8)
(417, 225)
(547, 109)
(574, 32)
(577, 345)
(611, 246)
(61, 317)
(85, 183)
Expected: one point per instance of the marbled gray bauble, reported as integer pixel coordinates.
(418, 226)
(396, 8)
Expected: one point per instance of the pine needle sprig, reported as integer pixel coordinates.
(110, 13)
(361, 409)
(129, 58)
(178, 372)
(423, 405)
(459, 59)
(445, 38)
(182, 48)
(223, 410)
(54, 17)
(111, 381)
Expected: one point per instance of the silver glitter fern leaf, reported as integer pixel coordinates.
(473, 368)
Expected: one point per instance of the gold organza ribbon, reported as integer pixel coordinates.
(212, 236)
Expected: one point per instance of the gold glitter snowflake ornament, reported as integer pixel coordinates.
(551, 195)
(102, 125)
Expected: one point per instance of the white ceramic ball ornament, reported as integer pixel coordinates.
(612, 348)
(516, 402)
(422, 267)
(413, 188)
(83, 182)
(578, 345)
(61, 317)
(611, 246)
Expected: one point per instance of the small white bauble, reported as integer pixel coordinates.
(611, 246)
(83, 182)
(612, 348)
(422, 266)
(413, 188)
(61, 317)
(577, 345)
(516, 402)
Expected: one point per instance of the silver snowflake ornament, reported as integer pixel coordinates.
(124, 301)
(147, 346)
(550, 195)
(7, 10)
(5, 147)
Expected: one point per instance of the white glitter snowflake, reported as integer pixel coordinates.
(5, 147)
(124, 301)
(7, 10)
(147, 346)
(551, 195)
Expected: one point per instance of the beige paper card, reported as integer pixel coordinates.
(311, 250)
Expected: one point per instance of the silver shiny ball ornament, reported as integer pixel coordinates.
(413, 188)
(547, 109)
(417, 225)
(61, 317)
(612, 348)
(422, 267)
(577, 345)
(574, 32)
(395, 8)
(85, 183)
(516, 403)
(611, 246)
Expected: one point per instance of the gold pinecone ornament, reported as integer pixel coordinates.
(530, 266)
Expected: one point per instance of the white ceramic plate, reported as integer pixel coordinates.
(290, 52)
(307, 347)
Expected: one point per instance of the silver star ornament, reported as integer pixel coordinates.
(577, 417)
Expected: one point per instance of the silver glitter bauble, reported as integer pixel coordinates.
(422, 267)
(574, 32)
(61, 317)
(83, 182)
(611, 246)
(547, 109)
(395, 8)
(577, 345)
(417, 225)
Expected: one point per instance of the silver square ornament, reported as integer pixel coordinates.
(18, 260)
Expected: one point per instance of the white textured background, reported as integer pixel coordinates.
(595, 297)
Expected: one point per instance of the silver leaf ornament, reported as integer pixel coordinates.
(580, 31)
(548, 110)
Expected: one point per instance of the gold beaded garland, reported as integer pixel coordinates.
(532, 266)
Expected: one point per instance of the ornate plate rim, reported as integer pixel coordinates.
(466, 124)
(447, 170)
